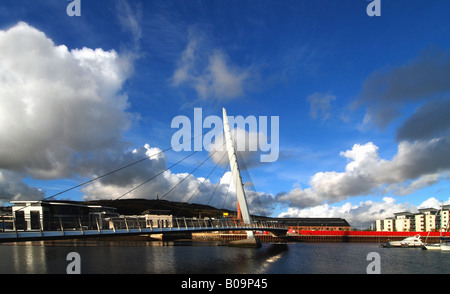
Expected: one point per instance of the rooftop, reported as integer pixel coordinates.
(306, 221)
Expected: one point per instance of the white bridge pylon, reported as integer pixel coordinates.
(236, 174)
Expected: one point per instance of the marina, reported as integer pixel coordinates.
(323, 237)
(408, 242)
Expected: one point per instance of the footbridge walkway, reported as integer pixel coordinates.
(123, 226)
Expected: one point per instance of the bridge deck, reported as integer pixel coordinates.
(208, 226)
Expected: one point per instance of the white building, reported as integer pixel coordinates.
(404, 222)
(385, 225)
(445, 216)
(431, 219)
(419, 225)
(52, 215)
(428, 219)
(56, 215)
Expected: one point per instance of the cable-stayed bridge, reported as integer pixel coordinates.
(76, 227)
(123, 226)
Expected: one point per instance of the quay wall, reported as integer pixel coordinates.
(323, 236)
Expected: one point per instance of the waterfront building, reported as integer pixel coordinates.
(404, 221)
(6, 220)
(314, 224)
(431, 218)
(378, 225)
(445, 216)
(426, 220)
(52, 215)
(387, 225)
(148, 219)
(419, 224)
(158, 218)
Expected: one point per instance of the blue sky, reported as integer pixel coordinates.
(362, 101)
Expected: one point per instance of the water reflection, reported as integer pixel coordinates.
(136, 257)
(270, 257)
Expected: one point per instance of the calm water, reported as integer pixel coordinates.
(208, 258)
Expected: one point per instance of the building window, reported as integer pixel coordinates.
(35, 220)
(20, 220)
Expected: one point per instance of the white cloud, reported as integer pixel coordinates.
(320, 105)
(62, 112)
(433, 203)
(358, 215)
(150, 179)
(410, 187)
(430, 203)
(129, 18)
(215, 79)
(363, 214)
(13, 188)
(58, 107)
(415, 166)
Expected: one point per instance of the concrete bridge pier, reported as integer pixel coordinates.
(172, 236)
(253, 242)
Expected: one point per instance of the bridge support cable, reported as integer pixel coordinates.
(121, 168)
(218, 184)
(250, 187)
(210, 155)
(155, 176)
(207, 177)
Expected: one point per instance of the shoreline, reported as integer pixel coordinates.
(304, 236)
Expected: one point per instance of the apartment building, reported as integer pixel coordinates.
(404, 221)
(445, 216)
(427, 219)
(385, 225)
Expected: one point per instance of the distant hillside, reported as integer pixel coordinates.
(179, 209)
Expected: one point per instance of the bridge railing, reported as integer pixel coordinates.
(94, 222)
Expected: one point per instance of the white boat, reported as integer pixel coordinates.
(436, 246)
(408, 242)
(445, 246)
(442, 245)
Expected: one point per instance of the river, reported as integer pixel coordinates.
(186, 257)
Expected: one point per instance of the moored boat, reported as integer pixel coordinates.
(436, 246)
(445, 246)
(409, 242)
